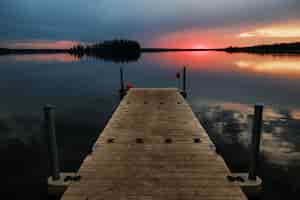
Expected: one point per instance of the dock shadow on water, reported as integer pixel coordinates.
(25, 156)
(229, 126)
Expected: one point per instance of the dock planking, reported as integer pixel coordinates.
(153, 147)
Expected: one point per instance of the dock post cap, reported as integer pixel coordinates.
(252, 188)
(259, 105)
(59, 186)
(183, 93)
(49, 106)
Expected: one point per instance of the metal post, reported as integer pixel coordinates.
(121, 79)
(50, 130)
(184, 80)
(122, 87)
(183, 92)
(255, 143)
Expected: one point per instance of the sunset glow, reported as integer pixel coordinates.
(273, 32)
(199, 46)
(289, 30)
(185, 40)
(62, 44)
(210, 24)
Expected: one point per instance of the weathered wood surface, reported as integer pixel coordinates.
(124, 168)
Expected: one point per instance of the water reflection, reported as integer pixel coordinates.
(287, 66)
(68, 58)
(210, 61)
(85, 92)
(65, 58)
(117, 58)
(229, 126)
(196, 61)
(235, 118)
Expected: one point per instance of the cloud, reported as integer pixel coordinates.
(273, 32)
(94, 20)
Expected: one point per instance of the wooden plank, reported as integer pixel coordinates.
(153, 147)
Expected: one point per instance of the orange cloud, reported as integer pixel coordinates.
(289, 30)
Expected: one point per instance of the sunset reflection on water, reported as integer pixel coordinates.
(207, 61)
(288, 66)
(65, 58)
(213, 61)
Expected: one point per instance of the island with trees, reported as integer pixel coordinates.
(116, 50)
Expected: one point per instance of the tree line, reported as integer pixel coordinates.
(264, 49)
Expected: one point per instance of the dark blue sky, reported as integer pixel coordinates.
(146, 21)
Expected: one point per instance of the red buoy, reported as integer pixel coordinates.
(129, 86)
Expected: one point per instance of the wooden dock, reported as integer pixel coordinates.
(153, 147)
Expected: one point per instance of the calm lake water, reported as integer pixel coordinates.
(222, 89)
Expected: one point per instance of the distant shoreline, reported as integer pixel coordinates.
(150, 50)
(283, 48)
(56, 51)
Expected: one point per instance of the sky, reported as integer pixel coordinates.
(155, 23)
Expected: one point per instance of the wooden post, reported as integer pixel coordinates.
(50, 130)
(255, 143)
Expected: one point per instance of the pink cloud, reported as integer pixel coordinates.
(61, 44)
